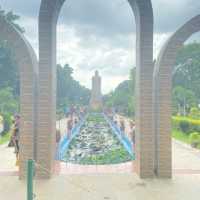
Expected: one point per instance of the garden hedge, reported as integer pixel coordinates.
(186, 124)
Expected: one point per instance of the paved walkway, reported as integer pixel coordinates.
(97, 185)
(7, 160)
(186, 160)
(124, 186)
(104, 187)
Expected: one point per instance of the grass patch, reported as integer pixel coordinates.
(4, 139)
(178, 135)
(110, 157)
(96, 118)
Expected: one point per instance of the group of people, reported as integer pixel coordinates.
(74, 115)
(73, 110)
(131, 130)
(120, 122)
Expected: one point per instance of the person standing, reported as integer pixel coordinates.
(132, 132)
(69, 127)
(122, 127)
(16, 137)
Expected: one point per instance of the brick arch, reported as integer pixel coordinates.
(162, 94)
(28, 69)
(49, 12)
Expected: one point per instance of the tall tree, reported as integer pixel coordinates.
(69, 91)
(123, 96)
(187, 72)
(183, 100)
(12, 18)
(8, 104)
(9, 74)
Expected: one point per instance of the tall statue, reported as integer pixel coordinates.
(96, 96)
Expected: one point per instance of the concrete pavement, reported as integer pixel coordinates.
(100, 187)
(185, 184)
(7, 159)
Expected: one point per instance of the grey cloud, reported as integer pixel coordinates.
(104, 25)
(28, 8)
(126, 41)
(104, 17)
(171, 14)
(107, 18)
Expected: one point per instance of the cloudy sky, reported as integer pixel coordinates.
(100, 34)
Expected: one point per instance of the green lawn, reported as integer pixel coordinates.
(178, 135)
(5, 138)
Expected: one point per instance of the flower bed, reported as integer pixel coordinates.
(96, 144)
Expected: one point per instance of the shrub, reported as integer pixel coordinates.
(195, 139)
(195, 113)
(186, 124)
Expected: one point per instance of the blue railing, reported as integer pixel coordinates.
(64, 144)
(128, 145)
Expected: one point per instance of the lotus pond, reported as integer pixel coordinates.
(96, 144)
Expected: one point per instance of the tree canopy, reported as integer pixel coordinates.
(122, 98)
(12, 18)
(186, 84)
(188, 73)
(69, 91)
(9, 75)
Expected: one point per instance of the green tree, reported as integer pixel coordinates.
(187, 75)
(122, 97)
(12, 18)
(8, 104)
(195, 113)
(183, 100)
(9, 74)
(69, 91)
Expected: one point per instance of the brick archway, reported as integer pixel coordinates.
(162, 94)
(49, 12)
(28, 68)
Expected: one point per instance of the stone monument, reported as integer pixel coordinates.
(96, 96)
